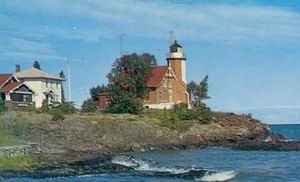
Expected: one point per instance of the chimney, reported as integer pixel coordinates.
(18, 68)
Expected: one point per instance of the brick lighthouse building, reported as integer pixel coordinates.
(167, 84)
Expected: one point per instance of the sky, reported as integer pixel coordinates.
(249, 49)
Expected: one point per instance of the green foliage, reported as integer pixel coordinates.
(170, 119)
(183, 112)
(8, 141)
(95, 91)
(66, 108)
(203, 89)
(45, 107)
(198, 93)
(15, 163)
(89, 105)
(127, 83)
(203, 114)
(58, 116)
(2, 105)
(192, 88)
(125, 103)
(36, 65)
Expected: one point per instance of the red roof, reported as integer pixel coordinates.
(157, 74)
(4, 78)
(10, 86)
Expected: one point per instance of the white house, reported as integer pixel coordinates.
(29, 88)
(44, 86)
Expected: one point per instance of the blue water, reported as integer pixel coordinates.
(223, 164)
(291, 131)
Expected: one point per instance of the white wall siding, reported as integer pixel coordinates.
(39, 86)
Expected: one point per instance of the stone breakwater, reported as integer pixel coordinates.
(13, 151)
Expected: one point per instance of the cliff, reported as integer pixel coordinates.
(82, 136)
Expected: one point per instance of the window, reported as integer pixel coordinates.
(160, 97)
(169, 83)
(17, 97)
(56, 84)
(47, 83)
(170, 96)
(165, 83)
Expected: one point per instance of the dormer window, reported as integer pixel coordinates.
(169, 83)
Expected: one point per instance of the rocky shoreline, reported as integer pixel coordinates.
(85, 144)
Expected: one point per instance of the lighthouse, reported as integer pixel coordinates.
(176, 60)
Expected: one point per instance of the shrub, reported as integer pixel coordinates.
(66, 108)
(203, 114)
(183, 112)
(45, 107)
(89, 105)
(170, 119)
(2, 105)
(58, 116)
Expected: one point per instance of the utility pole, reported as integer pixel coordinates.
(68, 62)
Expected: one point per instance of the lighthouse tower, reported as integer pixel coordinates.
(176, 60)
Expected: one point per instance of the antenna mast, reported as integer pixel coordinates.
(68, 62)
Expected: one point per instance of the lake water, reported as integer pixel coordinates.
(213, 164)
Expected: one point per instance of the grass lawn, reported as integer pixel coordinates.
(8, 141)
(14, 163)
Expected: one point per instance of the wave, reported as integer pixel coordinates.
(219, 176)
(194, 173)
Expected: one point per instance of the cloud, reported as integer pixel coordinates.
(153, 19)
(18, 48)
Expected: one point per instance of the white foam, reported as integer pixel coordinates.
(141, 165)
(125, 161)
(217, 177)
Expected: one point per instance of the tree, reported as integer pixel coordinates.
(127, 82)
(36, 65)
(89, 105)
(95, 91)
(2, 105)
(62, 75)
(203, 89)
(199, 93)
(192, 88)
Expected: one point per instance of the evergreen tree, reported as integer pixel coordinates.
(192, 88)
(89, 105)
(36, 65)
(62, 75)
(199, 93)
(127, 82)
(203, 89)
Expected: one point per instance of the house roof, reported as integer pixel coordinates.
(4, 78)
(157, 74)
(35, 73)
(10, 86)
